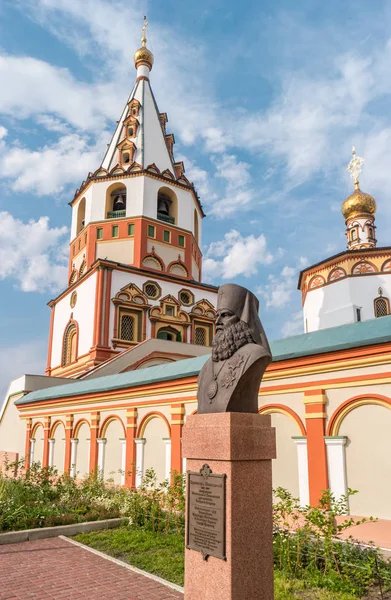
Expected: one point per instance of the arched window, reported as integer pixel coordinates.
(353, 235)
(167, 205)
(195, 226)
(69, 349)
(382, 307)
(200, 336)
(170, 334)
(116, 202)
(82, 268)
(126, 157)
(81, 215)
(73, 277)
(128, 328)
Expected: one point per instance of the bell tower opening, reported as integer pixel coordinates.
(116, 202)
(167, 205)
(81, 215)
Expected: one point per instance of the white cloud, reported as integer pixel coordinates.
(235, 255)
(19, 359)
(279, 289)
(47, 170)
(33, 254)
(294, 325)
(34, 87)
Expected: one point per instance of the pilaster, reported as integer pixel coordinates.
(68, 435)
(302, 467)
(315, 416)
(101, 455)
(139, 460)
(177, 412)
(130, 462)
(46, 429)
(93, 440)
(74, 443)
(27, 444)
(167, 470)
(51, 442)
(337, 465)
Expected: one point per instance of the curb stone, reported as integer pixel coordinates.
(14, 537)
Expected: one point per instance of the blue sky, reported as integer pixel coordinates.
(265, 101)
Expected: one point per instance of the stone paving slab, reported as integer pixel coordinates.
(55, 569)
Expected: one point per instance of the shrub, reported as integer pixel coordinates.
(306, 545)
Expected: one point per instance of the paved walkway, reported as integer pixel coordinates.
(56, 569)
(377, 532)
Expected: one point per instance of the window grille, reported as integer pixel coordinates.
(151, 290)
(381, 307)
(200, 336)
(185, 298)
(82, 268)
(127, 328)
(72, 278)
(69, 346)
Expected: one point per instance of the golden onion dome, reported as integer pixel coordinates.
(357, 203)
(143, 56)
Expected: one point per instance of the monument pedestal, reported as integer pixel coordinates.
(241, 447)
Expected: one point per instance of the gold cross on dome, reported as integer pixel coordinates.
(144, 32)
(355, 166)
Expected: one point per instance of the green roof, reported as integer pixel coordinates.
(365, 333)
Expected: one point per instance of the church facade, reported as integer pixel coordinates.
(135, 299)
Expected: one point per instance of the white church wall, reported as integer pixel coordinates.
(368, 467)
(155, 448)
(285, 471)
(120, 279)
(82, 451)
(59, 448)
(113, 451)
(121, 251)
(167, 252)
(38, 445)
(83, 313)
(12, 428)
(335, 304)
(185, 204)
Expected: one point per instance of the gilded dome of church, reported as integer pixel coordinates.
(143, 55)
(357, 203)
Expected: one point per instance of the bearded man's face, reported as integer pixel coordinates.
(231, 334)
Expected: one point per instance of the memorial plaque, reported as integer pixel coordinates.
(206, 513)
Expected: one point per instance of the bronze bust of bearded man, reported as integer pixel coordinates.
(229, 381)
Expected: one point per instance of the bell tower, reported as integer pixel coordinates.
(136, 220)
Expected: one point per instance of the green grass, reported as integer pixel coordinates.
(163, 555)
(157, 553)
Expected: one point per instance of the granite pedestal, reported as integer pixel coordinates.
(241, 446)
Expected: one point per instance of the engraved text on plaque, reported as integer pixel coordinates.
(206, 513)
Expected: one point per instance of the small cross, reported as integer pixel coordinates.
(355, 166)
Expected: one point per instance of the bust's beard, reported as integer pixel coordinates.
(228, 340)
